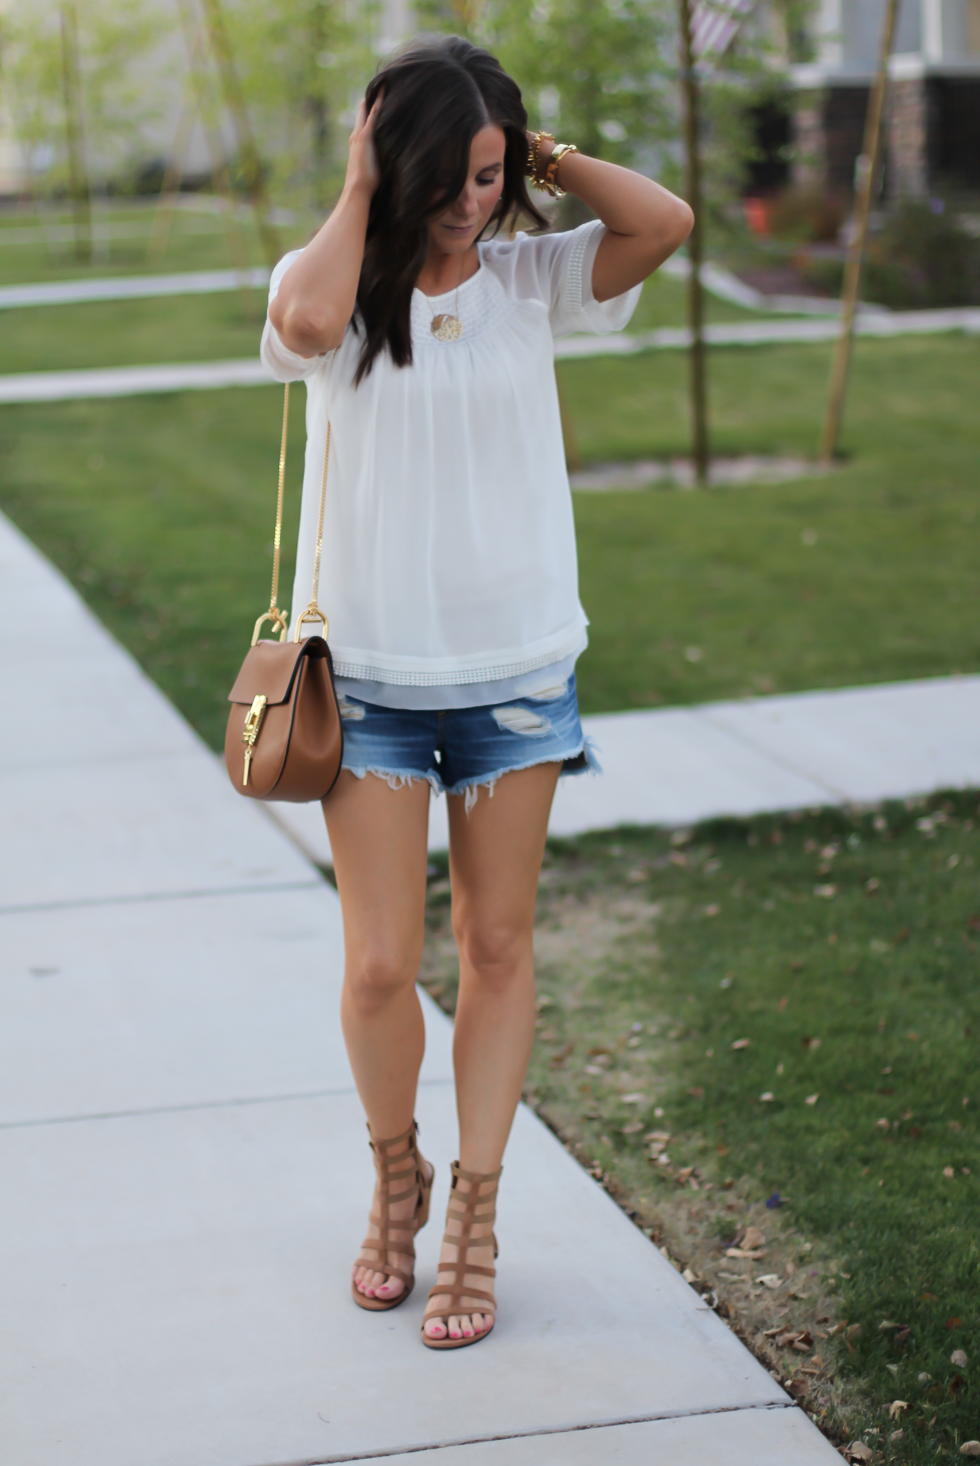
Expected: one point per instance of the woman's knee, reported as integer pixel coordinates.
(497, 953)
(379, 974)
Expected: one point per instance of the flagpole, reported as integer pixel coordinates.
(699, 396)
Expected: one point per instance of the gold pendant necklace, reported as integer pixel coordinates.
(447, 327)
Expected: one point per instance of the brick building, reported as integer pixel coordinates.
(932, 120)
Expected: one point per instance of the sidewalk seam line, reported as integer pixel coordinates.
(784, 763)
(192, 1106)
(533, 1434)
(83, 902)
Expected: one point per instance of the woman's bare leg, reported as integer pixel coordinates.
(494, 864)
(378, 836)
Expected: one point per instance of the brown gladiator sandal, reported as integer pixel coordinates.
(405, 1165)
(474, 1206)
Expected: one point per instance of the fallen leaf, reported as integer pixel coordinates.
(954, 1323)
(853, 1330)
(948, 1172)
(970, 1448)
(782, 1004)
(838, 1328)
(592, 1069)
(770, 1280)
(886, 1323)
(858, 1451)
(872, 887)
(712, 910)
(929, 1298)
(633, 1099)
(632, 1127)
(688, 1276)
(722, 1149)
(896, 1407)
(662, 1137)
(958, 1357)
(811, 1099)
(811, 1043)
(752, 1237)
(882, 1125)
(558, 1059)
(895, 1437)
(741, 1252)
(740, 1043)
(827, 893)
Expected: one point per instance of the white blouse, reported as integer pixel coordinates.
(449, 572)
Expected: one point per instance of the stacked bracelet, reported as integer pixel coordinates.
(548, 182)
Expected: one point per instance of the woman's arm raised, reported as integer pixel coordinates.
(316, 297)
(646, 223)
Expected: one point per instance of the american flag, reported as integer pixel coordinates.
(714, 24)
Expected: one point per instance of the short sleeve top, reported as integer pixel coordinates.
(448, 556)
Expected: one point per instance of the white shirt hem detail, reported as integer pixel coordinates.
(372, 667)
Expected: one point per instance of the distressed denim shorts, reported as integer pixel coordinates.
(458, 750)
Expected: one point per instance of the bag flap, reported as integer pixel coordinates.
(269, 667)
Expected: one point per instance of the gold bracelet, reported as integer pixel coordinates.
(559, 151)
(533, 161)
(549, 183)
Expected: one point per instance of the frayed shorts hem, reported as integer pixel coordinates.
(581, 760)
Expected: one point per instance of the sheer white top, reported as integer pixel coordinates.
(449, 571)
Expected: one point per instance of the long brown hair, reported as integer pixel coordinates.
(438, 94)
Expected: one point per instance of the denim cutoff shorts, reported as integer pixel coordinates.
(458, 750)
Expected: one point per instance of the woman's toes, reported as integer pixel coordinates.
(390, 1289)
(455, 1331)
(435, 1328)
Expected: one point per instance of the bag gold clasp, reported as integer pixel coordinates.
(250, 732)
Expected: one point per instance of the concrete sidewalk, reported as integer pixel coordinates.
(183, 1164)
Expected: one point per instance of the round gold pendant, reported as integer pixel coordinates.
(447, 328)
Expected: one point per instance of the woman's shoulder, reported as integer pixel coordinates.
(535, 262)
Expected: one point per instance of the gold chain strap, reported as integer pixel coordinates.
(312, 612)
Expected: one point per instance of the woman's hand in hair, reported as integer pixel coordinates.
(362, 162)
(318, 292)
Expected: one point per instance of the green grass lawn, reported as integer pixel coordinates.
(115, 333)
(30, 251)
(160, 509)
(700, 1001)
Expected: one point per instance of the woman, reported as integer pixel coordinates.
(426, 337)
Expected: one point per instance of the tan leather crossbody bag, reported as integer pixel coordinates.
(284, 738)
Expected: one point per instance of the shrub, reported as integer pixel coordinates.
(923, 257)
(807, 216)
